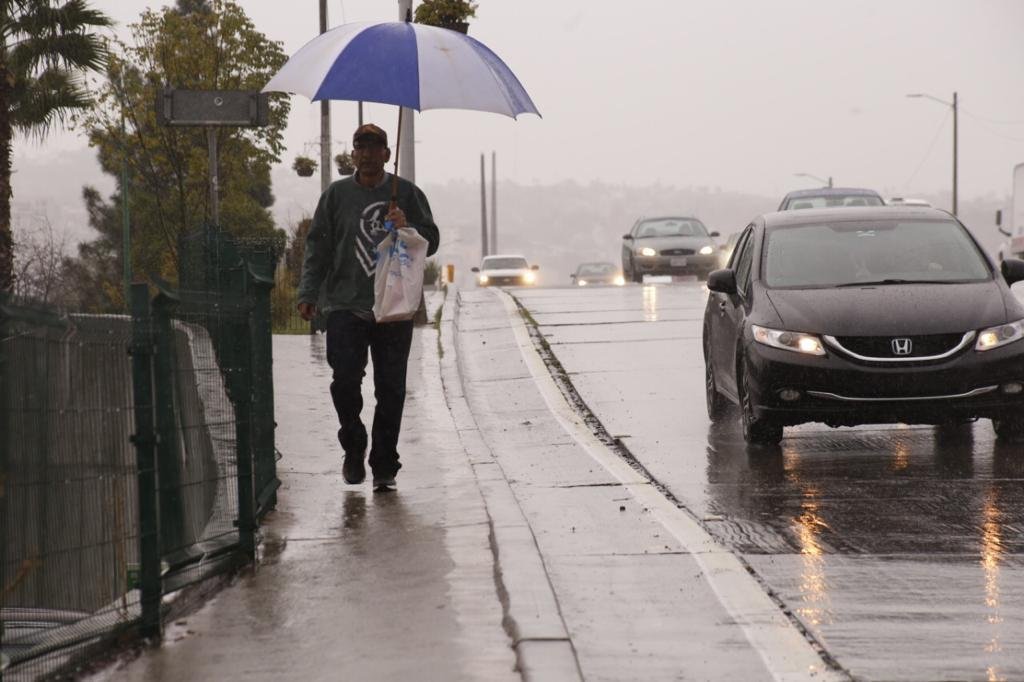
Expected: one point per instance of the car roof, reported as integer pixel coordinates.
(669, 217)
(853, 213)
(505, 255)
(832, 191)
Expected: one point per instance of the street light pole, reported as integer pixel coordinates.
(955, 105)
(954, 153)
(814, 177)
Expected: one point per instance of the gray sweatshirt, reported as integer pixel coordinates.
(341, 249)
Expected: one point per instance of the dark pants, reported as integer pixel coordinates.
(348, 338)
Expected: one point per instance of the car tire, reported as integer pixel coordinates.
(1009, 429)
(717, 404)
(756, 430)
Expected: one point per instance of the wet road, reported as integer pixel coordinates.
(900, 548)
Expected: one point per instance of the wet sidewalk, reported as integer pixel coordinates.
(354, 585)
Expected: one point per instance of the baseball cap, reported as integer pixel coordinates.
(370, 130)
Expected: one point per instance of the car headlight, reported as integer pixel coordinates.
(484, 279)
(646, 251)
(994, 337)
(581, 282)
(620, 280)
(529, 277)
(794, 341)
(707, 250)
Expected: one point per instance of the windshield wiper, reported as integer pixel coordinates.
(885, 282)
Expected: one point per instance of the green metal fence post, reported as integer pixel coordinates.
(265, 464)
(144, 439)
(243, 444)
(172, 515)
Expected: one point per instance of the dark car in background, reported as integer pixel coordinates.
(854, 316)
(590, 274)
(668, 246)
(830, 197)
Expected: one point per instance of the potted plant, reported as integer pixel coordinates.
(344, 164)
(450, 14)
(304, 166)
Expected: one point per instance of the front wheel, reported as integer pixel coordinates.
(1011, 429)
(756, 430)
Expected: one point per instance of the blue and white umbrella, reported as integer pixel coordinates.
(410, 65)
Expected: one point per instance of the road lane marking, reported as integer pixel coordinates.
(785, 650)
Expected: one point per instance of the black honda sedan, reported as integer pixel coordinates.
(863, 315)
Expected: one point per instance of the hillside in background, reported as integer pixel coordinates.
(556, 226)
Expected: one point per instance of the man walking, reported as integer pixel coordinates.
(340, 257)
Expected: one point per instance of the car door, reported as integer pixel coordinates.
(728, 314)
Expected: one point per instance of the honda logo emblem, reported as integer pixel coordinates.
(902, 346)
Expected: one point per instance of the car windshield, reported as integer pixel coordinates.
(596, 269)
(849, 253)
(505, 263)
(671, 227)
(833, 200)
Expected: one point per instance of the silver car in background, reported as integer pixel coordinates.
(671, 245)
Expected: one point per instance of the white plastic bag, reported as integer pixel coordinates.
(398, 280)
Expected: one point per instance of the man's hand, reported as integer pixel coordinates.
(307, 311)
(397, 217)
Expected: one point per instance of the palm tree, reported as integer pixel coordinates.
(45, 51)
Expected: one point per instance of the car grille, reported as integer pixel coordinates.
(677, 252)
(882, 346)
(514, 279)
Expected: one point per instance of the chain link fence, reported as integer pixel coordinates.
(136, 454)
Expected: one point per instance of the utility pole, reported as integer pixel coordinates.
(954, 153)
(126, 232)
(494, 202)
(484, 250)
(407, 154)
(325, 120)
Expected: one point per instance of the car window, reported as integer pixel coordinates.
(744, 259)
(671, 227)
(594, 269)
(833, 200)
(504, 264)
(852, 252)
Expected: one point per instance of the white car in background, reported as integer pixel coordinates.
(505, 270)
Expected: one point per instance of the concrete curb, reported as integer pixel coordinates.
(532, 616)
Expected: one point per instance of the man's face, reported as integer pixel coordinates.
(370, 154)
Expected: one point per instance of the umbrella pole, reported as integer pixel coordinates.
(394, 177)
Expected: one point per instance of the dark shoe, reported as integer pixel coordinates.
(354, 470)
(382, 484)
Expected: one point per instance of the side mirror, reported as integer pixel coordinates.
(724, 281)
(716, 233)
(1013, 270)
(998, 223)
(535, 267)
(627, 236)
(572, 275)
(474, 269)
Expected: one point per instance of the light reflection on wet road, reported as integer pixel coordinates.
(900, 547)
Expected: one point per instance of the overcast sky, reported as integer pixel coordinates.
(739, 94)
